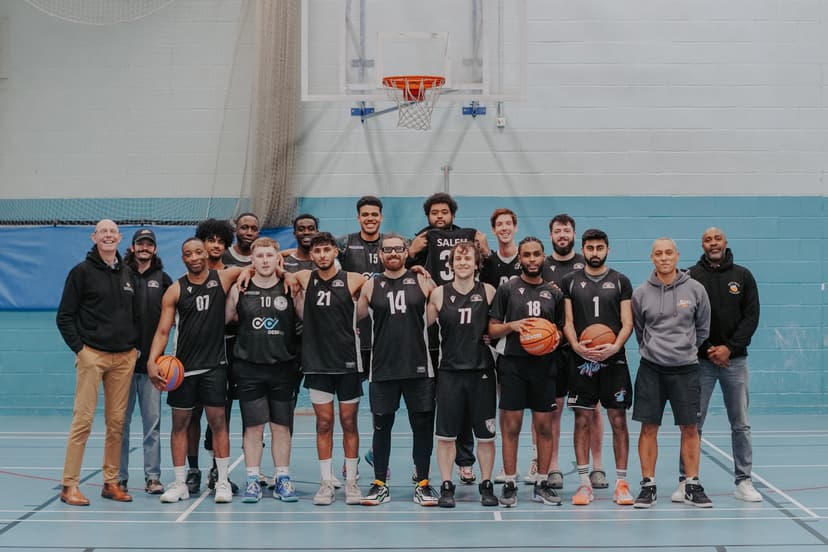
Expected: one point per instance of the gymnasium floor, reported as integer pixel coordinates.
(790, 463)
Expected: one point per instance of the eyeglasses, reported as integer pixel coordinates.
(393, 249)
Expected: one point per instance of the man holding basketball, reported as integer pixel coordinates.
(97, 320)
(526, 381)
(198, 300)
(400, 366)
(266, 368)
(599, 295)
(467, 383)
(671, 315)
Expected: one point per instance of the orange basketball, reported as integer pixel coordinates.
(600, 334)
(172, 370)
(542, 337)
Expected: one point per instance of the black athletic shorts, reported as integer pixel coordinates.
(527, 382)
(232, 382)
(208, 389)
(655, 385)
(346, 387)
(419, 394)
(611, 384)
(463, 397)
(272, 381)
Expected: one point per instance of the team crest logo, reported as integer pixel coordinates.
(409, 281)
(153, 284)
(578, 266)
(128, 287)
(608, 285)
(683, 303)
(545, 294)
(280, 303)
(620, 395)
(476, 298)
(212, 284)
(490, 425)
(734, 288)
(338, 283)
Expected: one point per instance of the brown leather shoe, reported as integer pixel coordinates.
(72, 496)
(113, 492)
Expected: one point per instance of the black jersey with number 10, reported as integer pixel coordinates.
(267, 325)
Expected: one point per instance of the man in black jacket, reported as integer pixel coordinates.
(734, 303)
(97, 319)
(152, 282)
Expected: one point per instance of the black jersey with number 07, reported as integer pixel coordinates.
(464, 319)
(597, 300)
(554, 270)
(267, 325)
(517, 299)
(397, 309)
(496, 271)
(199, 341)
(329, 342)
(440, 241)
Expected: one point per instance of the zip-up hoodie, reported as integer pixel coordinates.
(150, 288)
(734, 302)
(671, 321)
(97, 306)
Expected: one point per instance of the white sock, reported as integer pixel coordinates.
(252, 472)
(282, 471)
(583, 475)
(351, 468)
(180, 473)
(222, 465)
(325, 469)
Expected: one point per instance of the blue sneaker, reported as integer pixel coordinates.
(253, 491)
(284, 490)
(369, 459)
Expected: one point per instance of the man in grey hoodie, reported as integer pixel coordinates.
(671, 315)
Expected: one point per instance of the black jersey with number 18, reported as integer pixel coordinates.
(464, 319)
(517, 299)
(329, 341)
(199, 343)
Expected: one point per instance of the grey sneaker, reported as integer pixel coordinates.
(325, 496)
(598, 478)
(508, 496)
(555, 479)
(544, 493)
(352, 493)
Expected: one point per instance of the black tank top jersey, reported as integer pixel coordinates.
(267, 325)
(463, 321)
(496, 271)
(200, 328)
(597, 301)
(329, 341)
(554, 271)
(440, 242)
(398, 313)
(516, 300)
(292, 264)
(358, 255)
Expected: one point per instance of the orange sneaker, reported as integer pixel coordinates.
(583, 496)
(622, 495)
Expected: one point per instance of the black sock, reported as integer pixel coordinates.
(192, 461)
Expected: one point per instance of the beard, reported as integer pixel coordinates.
(596, 262)
(530, 272)
(563, 250)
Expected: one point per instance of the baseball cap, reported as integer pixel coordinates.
(144, 234)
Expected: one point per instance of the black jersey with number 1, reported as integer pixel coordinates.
(329, 343)
(267, 325)
(597, 300)
(517, 299)
(464, 319)
(199, 341)
(397, 309)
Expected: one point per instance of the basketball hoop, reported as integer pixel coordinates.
(415, 96)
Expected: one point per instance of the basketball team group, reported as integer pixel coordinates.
(469, 336)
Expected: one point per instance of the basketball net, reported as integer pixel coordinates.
(415, 97)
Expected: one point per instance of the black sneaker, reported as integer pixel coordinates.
(694, 494)
(487, 497)
(446, 495)
(212, 478)
(508, 496)
(194, 481)
(647, 497)
(544, 493)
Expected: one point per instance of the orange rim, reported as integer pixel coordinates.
(411, 84)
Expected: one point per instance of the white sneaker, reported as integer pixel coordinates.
(747, 492)
(176, 491)
(532, 474)
(678, 494)
(336, 482)
(352, 493)
(326, 495)
(500, 477)
(224, 492)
